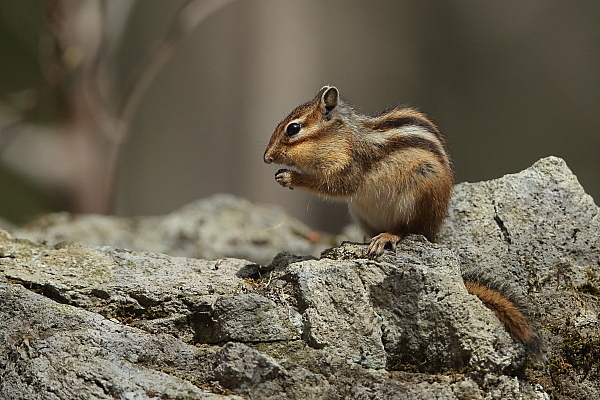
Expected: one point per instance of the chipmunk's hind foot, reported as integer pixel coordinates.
(382, 241)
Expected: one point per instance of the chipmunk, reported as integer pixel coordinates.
(392, 169)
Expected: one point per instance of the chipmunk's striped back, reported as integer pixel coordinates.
(397, 118)
(404, 128)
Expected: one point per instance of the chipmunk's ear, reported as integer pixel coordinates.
(329, 98)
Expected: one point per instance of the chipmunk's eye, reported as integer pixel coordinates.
(293, 129)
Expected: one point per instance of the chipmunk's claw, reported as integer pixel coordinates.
(284, 178)
(380, 242)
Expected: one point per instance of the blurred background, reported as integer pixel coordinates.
(140, 107)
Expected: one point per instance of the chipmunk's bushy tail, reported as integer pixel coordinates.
(515, 321)
(509, 306)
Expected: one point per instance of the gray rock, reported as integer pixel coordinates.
(337, 313)
(261, 377)
(215, 227)
(338, 327)
(246, 318)
(57, 351)
(196, 300)
(412, 308)
(537, 228)
(537, 233)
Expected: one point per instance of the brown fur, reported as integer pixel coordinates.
(392, 169)
(516, 323)
(394, 118)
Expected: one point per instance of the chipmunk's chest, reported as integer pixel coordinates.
(382, 209)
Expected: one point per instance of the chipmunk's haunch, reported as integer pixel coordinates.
(392, 169)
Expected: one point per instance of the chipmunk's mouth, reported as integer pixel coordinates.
(283, 162)
(293, 167)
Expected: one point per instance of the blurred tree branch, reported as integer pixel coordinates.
(192, 13)
(74, 56)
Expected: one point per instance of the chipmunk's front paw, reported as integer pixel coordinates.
(284, 178)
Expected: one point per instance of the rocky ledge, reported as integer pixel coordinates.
(83, 318)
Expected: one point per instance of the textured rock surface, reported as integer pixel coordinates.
(538, 228)
(57, 351)
(98, 322)
(539, 231)
(216, 227)
(409, 306)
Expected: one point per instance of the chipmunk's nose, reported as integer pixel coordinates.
(268, 159)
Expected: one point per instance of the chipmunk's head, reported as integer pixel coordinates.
(310, 138)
